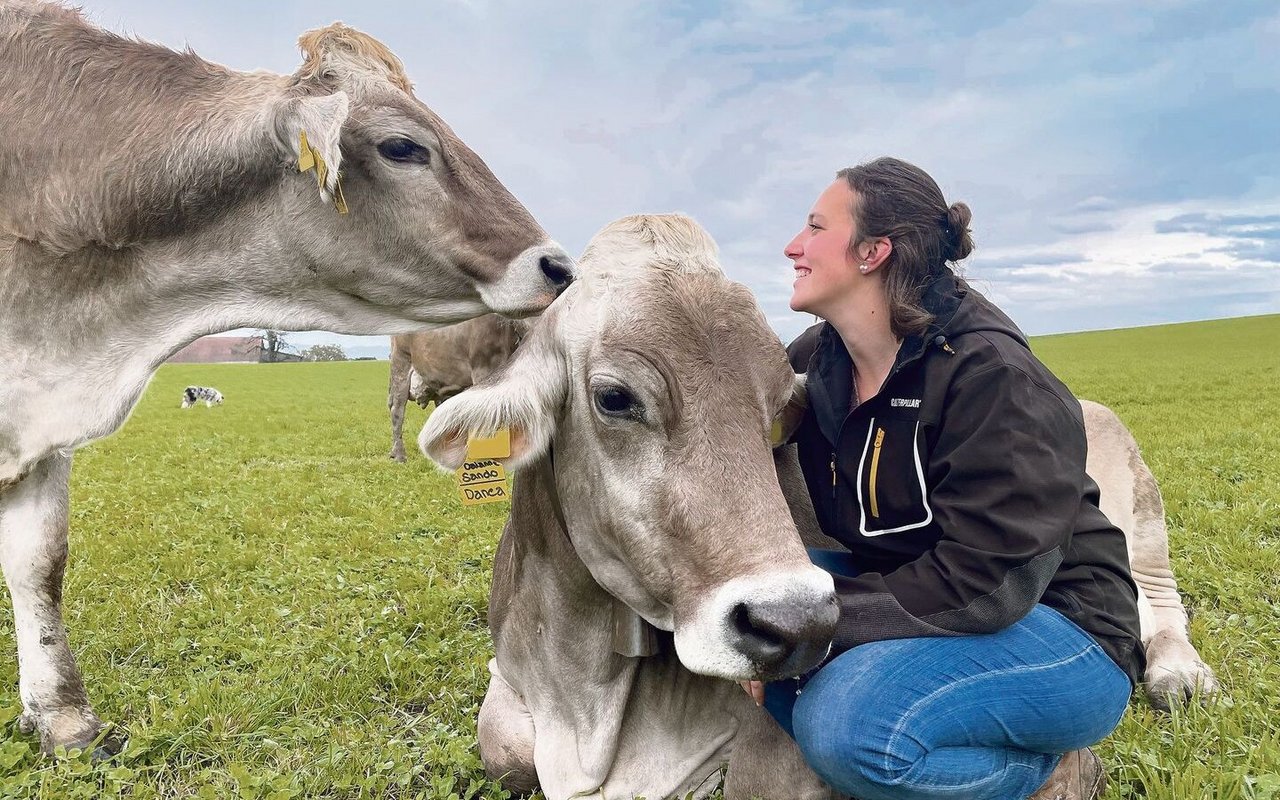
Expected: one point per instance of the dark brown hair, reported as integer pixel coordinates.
(901, 202)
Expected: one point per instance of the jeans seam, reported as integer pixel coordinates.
(898, 729)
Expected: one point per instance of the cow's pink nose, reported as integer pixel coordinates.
(784, 637)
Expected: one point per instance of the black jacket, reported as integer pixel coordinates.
(960, 487)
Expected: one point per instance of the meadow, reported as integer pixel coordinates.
(269, 608)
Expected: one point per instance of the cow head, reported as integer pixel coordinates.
(430, 235)
(655, 382)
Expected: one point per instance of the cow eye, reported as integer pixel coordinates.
(614, 401)
(404, 151)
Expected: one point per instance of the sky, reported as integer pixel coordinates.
(1122, 160)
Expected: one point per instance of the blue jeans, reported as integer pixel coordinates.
(980, 716)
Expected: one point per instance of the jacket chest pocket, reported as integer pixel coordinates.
(892, 496)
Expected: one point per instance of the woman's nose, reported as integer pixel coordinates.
(793, 248)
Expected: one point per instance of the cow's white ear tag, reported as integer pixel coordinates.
(481, 479)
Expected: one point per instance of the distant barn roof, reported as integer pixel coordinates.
(214, 349)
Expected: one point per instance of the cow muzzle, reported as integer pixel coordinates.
(532, 280)
(762, 627)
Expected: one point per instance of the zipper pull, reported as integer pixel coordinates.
(833, 470)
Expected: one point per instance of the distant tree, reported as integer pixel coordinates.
(274, 343)
(324, 352)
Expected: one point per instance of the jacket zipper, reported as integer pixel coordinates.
(875, 466)
(938, 341)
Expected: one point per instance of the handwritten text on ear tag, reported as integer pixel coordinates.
(481, 478)
(483, 481)
(310, 158)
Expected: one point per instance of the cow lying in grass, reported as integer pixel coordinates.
(640, 411)
(580, 700)
(432, 366)
(149, 197)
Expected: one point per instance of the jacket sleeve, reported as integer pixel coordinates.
(1007, 476)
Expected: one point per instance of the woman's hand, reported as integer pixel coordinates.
(755, 689)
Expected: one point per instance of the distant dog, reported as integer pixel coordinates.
(194, 394)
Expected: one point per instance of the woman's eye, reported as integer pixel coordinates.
(404, 151)
(614, 401)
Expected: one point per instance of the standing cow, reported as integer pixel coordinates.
(149, 197)
(640, 411)
(432, 366)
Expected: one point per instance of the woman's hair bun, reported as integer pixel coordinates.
(959, 242)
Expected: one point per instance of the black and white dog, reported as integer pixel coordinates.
(194, 394)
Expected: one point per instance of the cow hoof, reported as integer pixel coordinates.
(1167, 688)
(69, 729)
(1175, 673)
(26, 724)
(398, 458)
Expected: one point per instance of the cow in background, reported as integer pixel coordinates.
(149, 197)
(649, 559)
(432, 366)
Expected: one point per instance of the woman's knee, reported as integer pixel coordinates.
(844, 722)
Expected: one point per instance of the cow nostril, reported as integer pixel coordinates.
(759, 637)
(557, 271)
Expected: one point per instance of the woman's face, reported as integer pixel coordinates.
(825, 270)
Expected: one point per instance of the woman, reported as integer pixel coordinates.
(988, 619)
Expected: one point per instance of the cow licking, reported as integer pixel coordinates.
(149, 197)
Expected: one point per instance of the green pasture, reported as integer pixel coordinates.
(270, 608)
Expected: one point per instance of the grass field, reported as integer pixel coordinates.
(270, 608)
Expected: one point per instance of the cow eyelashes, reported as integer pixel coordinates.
(404, 151)
(617, 402)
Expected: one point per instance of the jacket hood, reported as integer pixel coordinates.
(959, 308)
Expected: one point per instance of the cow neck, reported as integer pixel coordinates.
(633, 636)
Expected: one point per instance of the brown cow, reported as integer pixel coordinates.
(640, 410)
(149, 197)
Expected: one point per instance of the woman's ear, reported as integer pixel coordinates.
(874, 252)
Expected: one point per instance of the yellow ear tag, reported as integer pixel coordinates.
(481, 479)
(496, 446)
(309, 158)
(305, 160)
(775, 433)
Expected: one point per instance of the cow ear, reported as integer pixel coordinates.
(319, 121)
(525, 397)
(792, 414)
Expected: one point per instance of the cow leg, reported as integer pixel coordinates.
(397, 398)
(1174, 668)
(505, 731)
(767, 764)
(33, 553)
